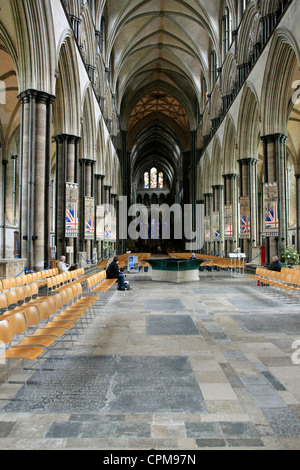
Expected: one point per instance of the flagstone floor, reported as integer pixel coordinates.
(205, 365)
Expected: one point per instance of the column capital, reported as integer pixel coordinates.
(231, 176)
(39, 96)
(274, 137)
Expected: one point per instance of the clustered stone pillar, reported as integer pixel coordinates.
(66, 172)
(298, 208)
(218, 207)
(248, 188)
(99, 198)
(35, 168)
(208, 205)
(274, 153)
(230, 199)
(86, 190)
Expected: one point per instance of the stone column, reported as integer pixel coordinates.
(274, 153)
(66, 172)
(35, 161)
(298, 210)
(218, 207)
(230, 198)
(248, 188)
(99, 198)
(89, 192)
(208, 209)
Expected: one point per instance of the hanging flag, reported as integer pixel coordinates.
(271, 217)
(89, 218)
(228, 221)
(245, 219)
(71, 226)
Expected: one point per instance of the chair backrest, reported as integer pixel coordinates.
(5, 332)
(43, 310)
(64, 296)
(51, 305)
(17, 323)
(3, 301)
(8, 283)
(19, 281)
(31, 316)
(20, 294)
(29, 278)
(58, 301)
(74, 288)
(70, 294)
(27, 291)
(34, 289)
(289, 278)
(12, 298)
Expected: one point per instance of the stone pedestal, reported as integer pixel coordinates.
(11, 267)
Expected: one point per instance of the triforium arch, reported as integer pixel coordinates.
(277, 102)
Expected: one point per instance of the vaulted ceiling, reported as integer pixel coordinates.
(158, 51)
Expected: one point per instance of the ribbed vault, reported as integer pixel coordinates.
(158, 52)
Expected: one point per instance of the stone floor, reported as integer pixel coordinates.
(205, 365)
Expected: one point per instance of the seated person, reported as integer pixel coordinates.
(113, 272)
(193, 256)
(276, 265)
(62, 265)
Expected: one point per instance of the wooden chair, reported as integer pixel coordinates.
(48, 308)
(12, 299)
(30, 353)
(3, 303)
(8, 283)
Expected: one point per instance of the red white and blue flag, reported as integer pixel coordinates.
(245, 224)
(89, 218)
(72, 224)
(271, 218)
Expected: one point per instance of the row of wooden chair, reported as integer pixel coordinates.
(39, 277)
(57, 282)
(99, 283)
(42, 323)
(212, 261)
(283, 281)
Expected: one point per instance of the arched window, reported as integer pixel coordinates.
(160, 180)
(226, 31)
(213, 67)
(146, 180)
(153, 177)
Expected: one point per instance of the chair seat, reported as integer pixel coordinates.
(30, 353)
(43, 341)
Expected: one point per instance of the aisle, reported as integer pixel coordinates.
(167, 366)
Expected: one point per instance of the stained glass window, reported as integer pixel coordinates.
(146, 180)
(153, 178)
(161, 180)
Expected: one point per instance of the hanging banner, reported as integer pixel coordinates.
(113, 228)
(245, 221)
(216, 225)
(108, 226)
(207, 228)
(271, 219)
(228, 221)
(100, 218)
(71, 228)
(89, 218)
